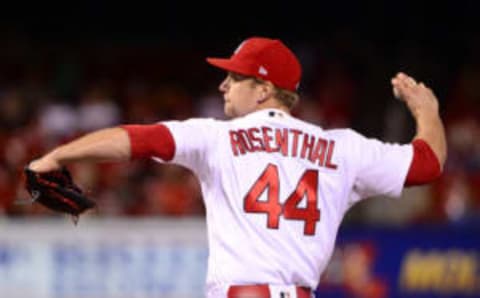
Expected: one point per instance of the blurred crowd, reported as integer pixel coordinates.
(50, 94)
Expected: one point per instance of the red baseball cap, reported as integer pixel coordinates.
(264, 58)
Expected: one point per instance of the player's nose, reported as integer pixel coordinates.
(223, 87)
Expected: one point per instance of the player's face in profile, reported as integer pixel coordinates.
(240, 95)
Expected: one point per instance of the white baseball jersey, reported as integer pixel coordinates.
(276, 189)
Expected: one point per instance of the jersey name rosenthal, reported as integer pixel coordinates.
(289, 142)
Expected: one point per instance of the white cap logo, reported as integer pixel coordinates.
(262, 70)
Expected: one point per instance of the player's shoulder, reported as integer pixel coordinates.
(197, 122)
(331, 133)
(352, 138)
(343, 133)
(205, 127)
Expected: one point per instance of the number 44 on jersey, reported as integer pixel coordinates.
(306, 188)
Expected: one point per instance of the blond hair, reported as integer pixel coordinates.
(283, 96)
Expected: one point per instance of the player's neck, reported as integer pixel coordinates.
(272, 104)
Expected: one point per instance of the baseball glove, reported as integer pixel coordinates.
(56, 191)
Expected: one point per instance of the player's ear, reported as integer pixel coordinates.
(267, 90)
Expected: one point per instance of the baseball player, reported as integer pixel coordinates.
(275, 187)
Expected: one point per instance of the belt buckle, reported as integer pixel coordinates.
(282, 291)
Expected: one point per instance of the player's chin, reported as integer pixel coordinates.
(228, 110)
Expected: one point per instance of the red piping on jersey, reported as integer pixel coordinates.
(425, 166)
(150, 140)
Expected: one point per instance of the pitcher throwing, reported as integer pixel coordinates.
(275, 188)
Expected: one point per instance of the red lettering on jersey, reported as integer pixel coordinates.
(257, 144)
(267, 138)
(296, 133)
(319, 152)
(236, 143)
(281, 138)
(243, 134)
(256, 139)
(308, 142)
(329, 164)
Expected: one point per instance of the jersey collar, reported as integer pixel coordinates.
(269, 113)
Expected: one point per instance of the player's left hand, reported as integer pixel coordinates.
(45, 164)
(57, 191)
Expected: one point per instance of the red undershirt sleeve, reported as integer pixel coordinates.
(150, 140)
(425, 167)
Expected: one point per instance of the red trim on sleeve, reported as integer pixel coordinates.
(150, 140)
(425, 166)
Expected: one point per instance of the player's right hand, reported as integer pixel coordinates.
(419, 98)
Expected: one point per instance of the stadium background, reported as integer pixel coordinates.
(69, 68)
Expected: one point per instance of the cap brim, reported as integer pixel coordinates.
(228, 65)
